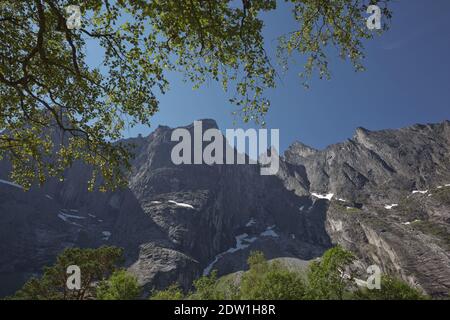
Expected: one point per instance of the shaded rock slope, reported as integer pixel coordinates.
(384, 195)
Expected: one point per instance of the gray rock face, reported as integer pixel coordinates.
(394, 191)
(177, 222)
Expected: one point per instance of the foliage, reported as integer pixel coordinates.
(206, 288)
(345, 207)
(95, 265)
(173, 292)
(442, 194)
(326, 278)
(339, 23)
(229, 285)
(120, 286)
(270, 281)
(438, 230)
(57, 109)
(391, 289)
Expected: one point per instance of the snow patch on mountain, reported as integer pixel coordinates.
(269, 232)
(251, 222)
(66, 218)
(106, 235)
(242, 242)
(180, 204)
(390, 206)
(327, 196)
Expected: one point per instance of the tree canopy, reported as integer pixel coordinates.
(120, 286)
(57, 108)
(391, 289)
(270, 281)
(102, 279)
(94, 264)
(324, 279)
(327, 278)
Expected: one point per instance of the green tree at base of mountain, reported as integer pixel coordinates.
(391, 289)
(324, 279)
(120, 286)
(328, 278)
(270, 281)
(173, 292)
(95, 266)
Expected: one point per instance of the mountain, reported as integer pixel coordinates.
(384, 195)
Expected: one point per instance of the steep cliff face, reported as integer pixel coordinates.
(177, 222)
(391, 198)
(378, 165)
(216, 214)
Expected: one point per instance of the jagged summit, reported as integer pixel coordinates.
(384, 195)
(301, 149)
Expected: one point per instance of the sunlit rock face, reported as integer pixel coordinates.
(178, 222)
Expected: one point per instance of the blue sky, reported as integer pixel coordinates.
(406, 82)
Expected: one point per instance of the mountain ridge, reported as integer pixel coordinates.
(175, 222)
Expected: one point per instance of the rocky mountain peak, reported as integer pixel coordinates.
(362, 135)
(299, 149)
(383, 195)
